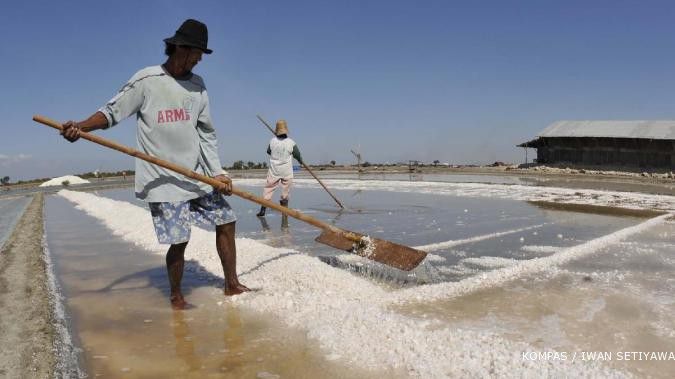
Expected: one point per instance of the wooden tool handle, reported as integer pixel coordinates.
(322, 185)
(202, 178)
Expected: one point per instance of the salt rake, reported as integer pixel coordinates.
(382, 251)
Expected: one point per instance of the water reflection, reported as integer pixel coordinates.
(185, 345)
(234, 341)
(263, 224)
(285, 238)
(414, 177)
(284, 223)
(231, 354)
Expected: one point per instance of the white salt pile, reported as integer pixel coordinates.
(541, 249)
(64, 180)
(524, 267)
(350, 317)
(452, 243)
(488, 262)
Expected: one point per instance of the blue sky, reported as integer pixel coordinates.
(461, 82)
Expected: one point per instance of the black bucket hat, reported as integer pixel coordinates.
(191, 33)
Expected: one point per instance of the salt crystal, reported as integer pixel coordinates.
(267, 375)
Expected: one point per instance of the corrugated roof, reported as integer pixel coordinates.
(613, 129)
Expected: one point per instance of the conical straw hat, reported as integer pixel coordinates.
(281, 127)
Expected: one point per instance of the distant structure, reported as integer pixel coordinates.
(643, 144)
(358, 160)
(413, 166)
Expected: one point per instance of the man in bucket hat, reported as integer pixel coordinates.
(174, 123)
(281, 149)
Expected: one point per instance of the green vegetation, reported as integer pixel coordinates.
(97, 174)
(240, 165)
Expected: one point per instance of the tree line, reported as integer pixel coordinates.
(240, 165)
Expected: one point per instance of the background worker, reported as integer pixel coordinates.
(281, 149)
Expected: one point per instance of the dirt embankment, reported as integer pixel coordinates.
(26, 318)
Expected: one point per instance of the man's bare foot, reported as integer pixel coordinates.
(179, 303)
(236, 289)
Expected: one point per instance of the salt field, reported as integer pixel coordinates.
(506, 275)
(477, 190)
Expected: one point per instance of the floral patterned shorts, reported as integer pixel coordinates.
(173, 220)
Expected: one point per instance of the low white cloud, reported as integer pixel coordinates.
(8, 160)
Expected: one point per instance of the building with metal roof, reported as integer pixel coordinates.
(633, 144)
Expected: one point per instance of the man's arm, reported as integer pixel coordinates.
(125, 103)
(296, 154)
(71, 129)
(208, 144)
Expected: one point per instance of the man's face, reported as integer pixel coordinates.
(190, 55)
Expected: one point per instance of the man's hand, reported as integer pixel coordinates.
(226, 187)
(71, 131)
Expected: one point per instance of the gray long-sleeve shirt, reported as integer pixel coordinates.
(174, 124)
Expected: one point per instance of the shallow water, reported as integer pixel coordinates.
(11, 210)
(117, 297)
(618, 300)
(617, 296)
